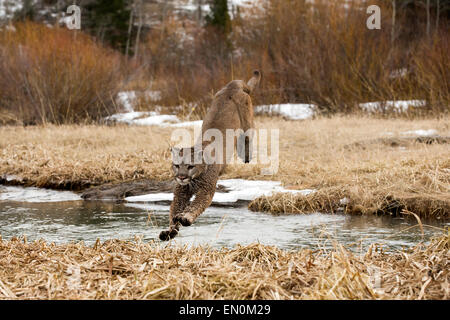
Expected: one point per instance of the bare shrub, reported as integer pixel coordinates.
(53, 75)
(320, 53)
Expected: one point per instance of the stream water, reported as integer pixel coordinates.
(76, 220)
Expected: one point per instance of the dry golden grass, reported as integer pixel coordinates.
(349, 157)
(339, 156)
(118, 269)
(75, 157)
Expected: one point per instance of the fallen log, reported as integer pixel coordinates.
(121, 190)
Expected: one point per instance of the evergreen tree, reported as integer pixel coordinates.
(108, 20)
(26, 13)
(219, 17)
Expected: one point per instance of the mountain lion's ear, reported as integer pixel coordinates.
(175, 150)
(198, 156)
(176, 156)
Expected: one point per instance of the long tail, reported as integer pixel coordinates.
(254, 81)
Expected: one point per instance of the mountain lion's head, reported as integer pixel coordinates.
(187, 164)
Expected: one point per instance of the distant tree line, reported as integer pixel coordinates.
(118, 23)
(122, 23)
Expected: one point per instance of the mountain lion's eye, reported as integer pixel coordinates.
(190, 167)
(176, 166)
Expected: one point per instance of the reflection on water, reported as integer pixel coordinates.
(61, 222)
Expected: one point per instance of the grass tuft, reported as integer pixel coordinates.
(54, 75)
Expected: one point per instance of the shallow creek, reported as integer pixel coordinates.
(60, 217)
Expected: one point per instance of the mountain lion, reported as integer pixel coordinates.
(231, 109)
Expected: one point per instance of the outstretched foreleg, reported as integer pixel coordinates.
(202, 201)
(203, 197)
(181, 198)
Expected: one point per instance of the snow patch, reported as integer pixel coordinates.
(127, 99)
(292, 111)
(239, 189)
(128, 117)
(421, 133)
(155, 120)
(152, 197)
(11, 177)
(151, 118)
(397, 105)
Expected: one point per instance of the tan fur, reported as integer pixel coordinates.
(231, 109)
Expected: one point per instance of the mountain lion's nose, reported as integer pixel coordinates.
(182, 177)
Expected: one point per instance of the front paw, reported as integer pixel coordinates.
(168, 234)
(185, 220)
